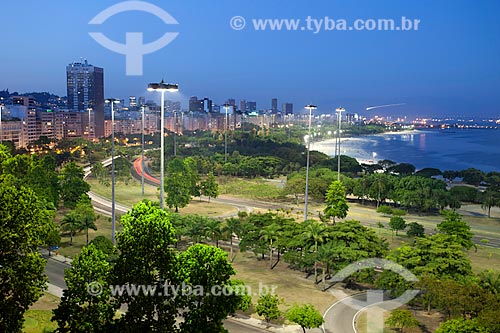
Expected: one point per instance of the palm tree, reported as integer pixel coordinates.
(232, 227)
(214, 230)
(87, 222)
(71, 223)
(196, 228)
(490, 199)
(268, 234)
(316, 232)
(86, 216)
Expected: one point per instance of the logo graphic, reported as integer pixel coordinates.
(372, 300)
(134, 49)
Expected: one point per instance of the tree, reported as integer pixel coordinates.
(147, 257)
(380, 186)
(269, 234)
(397, 223)
(209, 187)
(231, 228)
(402, 319)
(316, 232)
(472, 176)
(268, 307)
(421, 193)
(53, 238)
(461, 325)
(449, 175)
(206, 268)
(453, 225)
(42, 178)
(103, 244)
(403, 169)
(72, 185)
(71, 224)
(490, 198)
(178, 184)
(23, 227)
(305, 316)
(100, 173)
(336, 203)
(214, 230)
(384, 210)
(415, 229)
(295, 186)
(438, 255)
(85, 305)
(86, 216)
(429, 172)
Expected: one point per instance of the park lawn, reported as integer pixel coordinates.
(290, 285)
(485, 258)
(131, 194)
(250, 188)
(430, 322)
(126, 194)
(210, 209)
(37, 318)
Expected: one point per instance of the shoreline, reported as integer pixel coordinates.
(328, 146)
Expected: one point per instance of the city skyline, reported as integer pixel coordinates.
(448, 66)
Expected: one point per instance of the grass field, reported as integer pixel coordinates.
(131, 193)
(292, 286)
(250, 188)
(37, 318)
(430, 322)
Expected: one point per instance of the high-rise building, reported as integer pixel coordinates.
(287, 108)
(196, 105)
(207, 105)
(132, 101)
(176, 106)
(85, 85)
(274, 105)
(243, 105)
(251, 107)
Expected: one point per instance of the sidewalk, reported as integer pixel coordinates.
(55, 256)
(253, 322)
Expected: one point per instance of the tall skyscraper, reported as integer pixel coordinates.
(196, 105)
(243, 105)
(86, 91)
(287, 108)
(251, 107)
(274, 105)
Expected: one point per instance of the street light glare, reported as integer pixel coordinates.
(162, 86)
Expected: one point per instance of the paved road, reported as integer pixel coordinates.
(55, 272)
(339, 317)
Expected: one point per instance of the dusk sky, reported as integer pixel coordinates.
(451, 65)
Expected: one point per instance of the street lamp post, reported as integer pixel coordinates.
(310, 107)
(1, 128)
(162, 87)
(175, 134)
(112, 101)
(142, 149)
(339, 117)
(226, 107)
